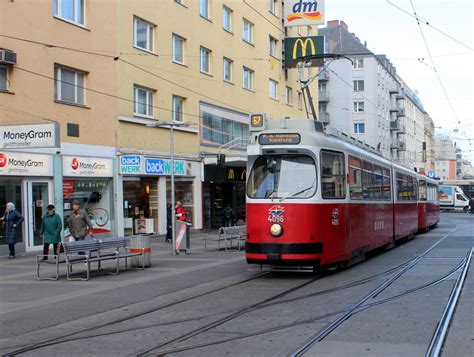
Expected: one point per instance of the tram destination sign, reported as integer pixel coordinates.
(29, 136)
(279, 139)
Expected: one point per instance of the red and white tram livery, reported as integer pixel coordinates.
(315, 199)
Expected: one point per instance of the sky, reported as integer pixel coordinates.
(390, 31)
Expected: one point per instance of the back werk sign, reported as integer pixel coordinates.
(297, 48)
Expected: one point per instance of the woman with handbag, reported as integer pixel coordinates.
(12, 220)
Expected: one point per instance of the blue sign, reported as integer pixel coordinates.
(130, 164)
(162, 167)
(431, 174)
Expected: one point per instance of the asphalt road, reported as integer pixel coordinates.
(210, 303)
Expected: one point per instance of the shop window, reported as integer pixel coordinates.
(95, 197)
(183, 192)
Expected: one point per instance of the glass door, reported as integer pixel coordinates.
(38, 198)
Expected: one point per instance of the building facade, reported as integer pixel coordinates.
(445, 159)
(106, 73)
(369, 101)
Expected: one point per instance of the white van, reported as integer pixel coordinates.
(452, 198)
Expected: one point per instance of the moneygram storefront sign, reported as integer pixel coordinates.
(79, 166)
(29, 136)
(19, 164)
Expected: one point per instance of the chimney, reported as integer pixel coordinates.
(333, 23)
(343, 24)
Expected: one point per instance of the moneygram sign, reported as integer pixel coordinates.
(79, 166)
(29, 136)
(303, 13)
(19, 164)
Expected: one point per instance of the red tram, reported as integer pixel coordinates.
(428, 203)
(315, 199)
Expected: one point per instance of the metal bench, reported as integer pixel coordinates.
(87, 252)
(228, 235)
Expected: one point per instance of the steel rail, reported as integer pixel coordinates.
(439, 336)
(344, 316)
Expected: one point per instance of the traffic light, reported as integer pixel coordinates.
(221, 159)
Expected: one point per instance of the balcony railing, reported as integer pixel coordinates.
(401, 112)
(323, 96)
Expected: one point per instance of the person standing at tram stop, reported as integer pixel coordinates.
(471, 203)
(78, 222)
(11, 221)
(181, 213)
(228, 216)
(51, 227)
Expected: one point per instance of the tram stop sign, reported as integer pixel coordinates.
(297, 48)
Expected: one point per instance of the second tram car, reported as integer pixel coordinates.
(315, 199)
(428, 203)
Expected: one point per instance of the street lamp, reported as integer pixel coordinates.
(171, 126)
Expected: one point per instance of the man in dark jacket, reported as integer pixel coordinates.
(78, 222)
(471, 203)
(228, 216)
(12, 220)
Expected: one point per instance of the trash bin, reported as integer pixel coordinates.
(137, 243)
(183, 243)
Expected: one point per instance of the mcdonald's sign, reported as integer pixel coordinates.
(296, 48)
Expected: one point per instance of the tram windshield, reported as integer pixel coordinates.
(285, 177)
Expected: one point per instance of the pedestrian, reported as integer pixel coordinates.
(11, 220)
(181, 213)
(168, 223)
(471, 203)
(51, 227)
(78, 222)
(228, 216)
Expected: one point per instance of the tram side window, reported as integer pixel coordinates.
(423, 192)
(355, 178)
(406, 187)
(367, 181)
(333, 176)
(432, 192)
(414, 189)
(387, 192)
(378, 183)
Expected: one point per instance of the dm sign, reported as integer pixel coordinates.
(297, 48)
(304, 13)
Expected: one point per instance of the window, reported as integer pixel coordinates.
(227, 66)
(3, 78)
(178, 108)
(143, 35)
(358, 86)
(355, 178)
(387, 187)
(227, 19)
(247, 31)
(406, 187)
(359, 128)
(358, 107)
(288, 96)
(204, 8)
(273, 89)
(377, 183)
(423, 191)
(143, 101)
(70, 10)
(273, 6)
(358, 64)
(273, 43)
(300, 101)
(205, 60)
(248, 78)
(285, 177)
(178, 49)
(69, 85)
(333, 177)
(367, 180)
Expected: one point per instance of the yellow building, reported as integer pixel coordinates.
(104, 70)
(209, 64)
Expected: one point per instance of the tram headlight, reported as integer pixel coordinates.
(276, 230)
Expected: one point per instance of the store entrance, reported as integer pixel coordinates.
(219, 195)
(38, 196)
(10, 191)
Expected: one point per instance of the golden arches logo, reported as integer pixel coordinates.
(230, 174)
(304, 45)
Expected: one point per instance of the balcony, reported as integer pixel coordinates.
(401, 113)
(398, 145)
(323, 76)
(401, 95)
(323, 96)
(324, 117)
(393, 91)
(394, 110)
(402, 146)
